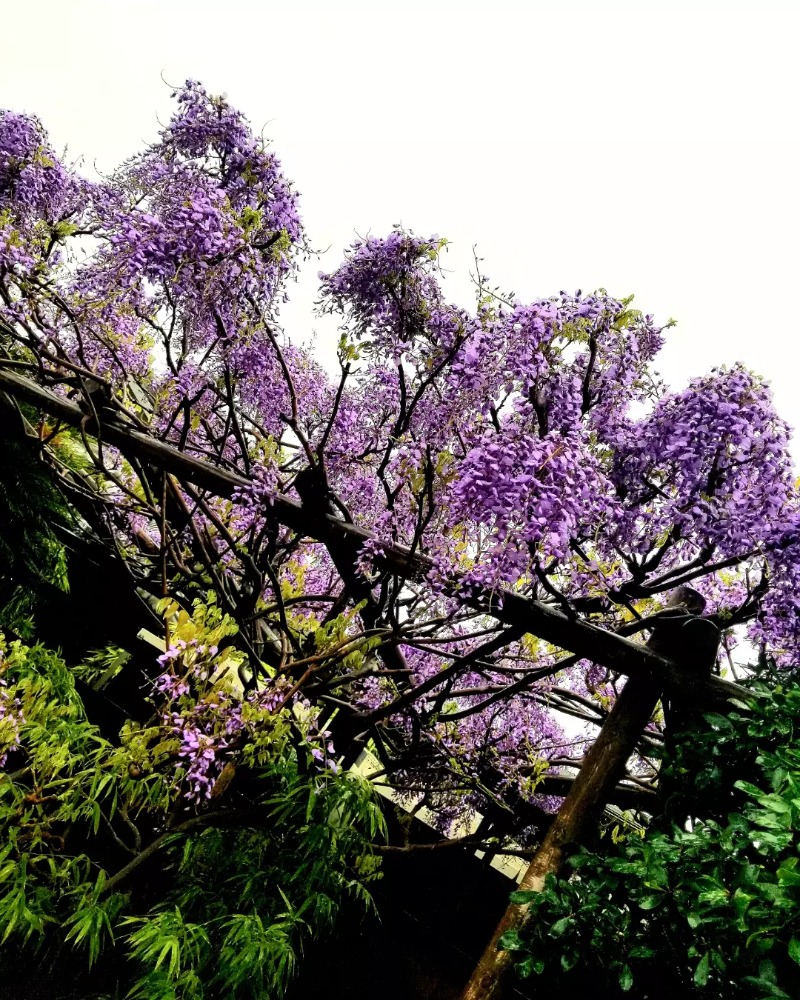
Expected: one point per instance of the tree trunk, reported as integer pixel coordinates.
(602, 768)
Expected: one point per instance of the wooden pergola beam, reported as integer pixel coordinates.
(550, 624)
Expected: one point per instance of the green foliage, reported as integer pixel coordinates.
(90, 925)
(31, 556)
(712, 909)
(230, 891)
(101, 666)
(257, 894)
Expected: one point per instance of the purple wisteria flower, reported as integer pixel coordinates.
(11, 720)
(524, 447)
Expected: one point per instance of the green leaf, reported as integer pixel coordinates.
(701, 972)
(642, 951)
(794, 949)
(788, 875)
(748, 788)
(765, 988)
(775, 803)
(650, 902)
(511, 941)
(525, 967)
(625, 978)
(569, 959)
(560, 926)
(718, 721)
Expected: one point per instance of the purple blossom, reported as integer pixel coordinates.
(520, 445)
(11, 720)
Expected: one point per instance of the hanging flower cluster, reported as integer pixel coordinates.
(521, 445)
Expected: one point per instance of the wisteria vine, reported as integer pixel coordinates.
(529, 446)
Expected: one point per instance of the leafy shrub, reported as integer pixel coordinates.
(103, 858)
(712, 909)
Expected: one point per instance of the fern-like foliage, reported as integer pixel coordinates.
(31, 556)
(110, 880)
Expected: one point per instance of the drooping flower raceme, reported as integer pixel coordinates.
(523, 445)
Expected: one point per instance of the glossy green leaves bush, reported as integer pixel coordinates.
(711, 909)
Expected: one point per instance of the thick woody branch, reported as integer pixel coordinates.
(582, 639)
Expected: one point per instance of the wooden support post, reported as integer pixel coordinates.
(602, 768)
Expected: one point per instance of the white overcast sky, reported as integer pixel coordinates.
(648, 148)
